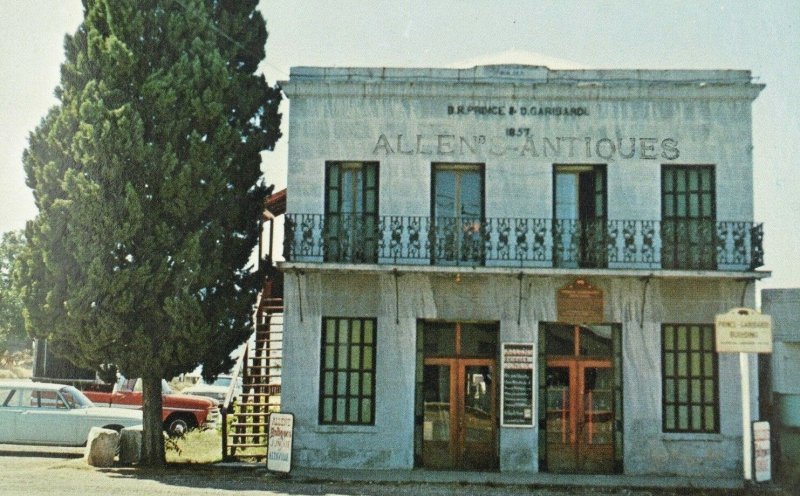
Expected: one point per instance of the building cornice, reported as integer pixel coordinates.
(519, 82)
(328, 268)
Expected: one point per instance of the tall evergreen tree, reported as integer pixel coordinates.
(148, 183)
(12, 325)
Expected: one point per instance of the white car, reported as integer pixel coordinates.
(216, 390)
(54, 414)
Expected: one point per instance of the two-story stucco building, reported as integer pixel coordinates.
(514, 268)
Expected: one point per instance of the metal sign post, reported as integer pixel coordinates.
(745, 331)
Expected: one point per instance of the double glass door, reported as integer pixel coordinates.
(579, 211)
(456, 409)
(580, 416)
(459, 426)
(457, 214)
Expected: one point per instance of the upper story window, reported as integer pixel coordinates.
(351, 212)
(688, 217)
(457, 211)
(579, 216)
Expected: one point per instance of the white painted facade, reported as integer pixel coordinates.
(630, 122)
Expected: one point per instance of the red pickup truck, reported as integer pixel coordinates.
(180, 412)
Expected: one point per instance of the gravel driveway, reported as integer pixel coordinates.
(33, 471)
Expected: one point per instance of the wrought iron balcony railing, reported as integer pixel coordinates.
(688, 244)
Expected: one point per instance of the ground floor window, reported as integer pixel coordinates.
(690, 378)
(347, 372)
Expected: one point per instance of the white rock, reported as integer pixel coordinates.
(130, 445)
(101, 447)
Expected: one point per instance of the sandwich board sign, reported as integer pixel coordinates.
(279, 442)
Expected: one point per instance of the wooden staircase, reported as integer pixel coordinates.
(245, 436)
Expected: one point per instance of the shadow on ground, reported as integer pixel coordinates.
(259, 479)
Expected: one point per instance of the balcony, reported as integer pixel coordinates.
(524, 243)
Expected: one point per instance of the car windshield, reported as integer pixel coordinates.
(223, 381)
(74, 398)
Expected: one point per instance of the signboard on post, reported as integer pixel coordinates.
(762, 456)
(743, 330)
(279, 442)
(516, 401)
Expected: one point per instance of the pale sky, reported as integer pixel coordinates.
(762, 37)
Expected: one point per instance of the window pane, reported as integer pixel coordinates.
(683, 417)
(709, 391)
(355, 332)
(695, 369)
(330, 331)
(366, 411)
(327, 410)
(328, 389)
(353, 414)
(695, 337)
(341, 383)
(682, 365)
(683, 390)
(708, 366)
(669, 364)
(368, 331)
(669, 338)
(710, 419)
(367, 389)
(669, 390)
(696, 390)
(329, 357)
(354, 384)
(343, 324)
(669, 418)
(355, 357)
(340, 410)
(682, 338)
(368, 357)
(696, 418)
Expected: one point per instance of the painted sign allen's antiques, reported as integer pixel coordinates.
(521, 142)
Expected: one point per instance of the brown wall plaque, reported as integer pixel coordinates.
(580, 303)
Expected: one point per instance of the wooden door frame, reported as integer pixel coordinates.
(577, 388)
(457, 406)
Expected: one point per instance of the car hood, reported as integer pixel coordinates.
(197, 401)
(205, 389)
(115, 413)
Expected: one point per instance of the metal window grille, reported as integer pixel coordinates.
(347, 372)
(690, 378)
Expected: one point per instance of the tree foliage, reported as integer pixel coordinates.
(12, 324)
(148, 184)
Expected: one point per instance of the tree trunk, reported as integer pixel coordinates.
(153, 435)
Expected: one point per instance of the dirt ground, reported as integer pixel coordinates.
(31, 471)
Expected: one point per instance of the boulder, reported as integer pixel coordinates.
(130, 445)
(101, 447)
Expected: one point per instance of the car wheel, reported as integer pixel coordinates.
(178, 425)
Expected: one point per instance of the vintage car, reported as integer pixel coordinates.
(217, 389)
(180, 412)
(54, 414)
